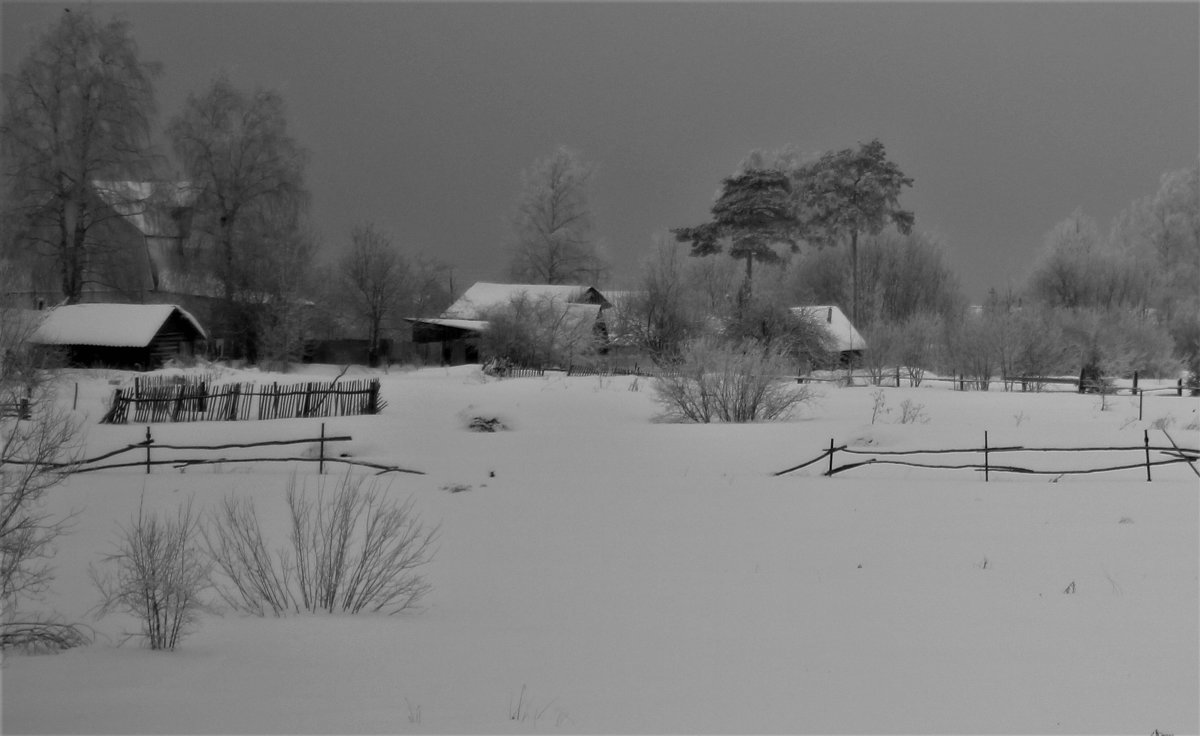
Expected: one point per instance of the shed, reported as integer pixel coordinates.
(848, 342)
(121, 335)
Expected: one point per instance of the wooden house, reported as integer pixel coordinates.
(139, 336)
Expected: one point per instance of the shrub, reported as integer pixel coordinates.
(350, 551)
(541, 331)
(161, 572)
(732, 382)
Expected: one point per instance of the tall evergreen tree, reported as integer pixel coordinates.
(754, 214)
(851, 192)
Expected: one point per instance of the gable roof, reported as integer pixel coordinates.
(844, 334)
(484, 297)
(111, 325)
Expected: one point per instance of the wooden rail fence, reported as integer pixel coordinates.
(194, 400)
(1173, 454)
(150, 448)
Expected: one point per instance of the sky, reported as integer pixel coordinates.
(420, 117)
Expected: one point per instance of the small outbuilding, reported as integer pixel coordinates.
(847, 341)
(138, 336)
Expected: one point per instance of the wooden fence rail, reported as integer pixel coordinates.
(199, 401)
(1173, 454)
(148, 445)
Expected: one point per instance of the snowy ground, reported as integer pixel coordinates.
(609, 573)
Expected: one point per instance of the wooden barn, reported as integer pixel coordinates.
(138, 336)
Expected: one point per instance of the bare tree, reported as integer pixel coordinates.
(283, 312)
(377, 281)
(78, 109)
(237, 154)
(553, 242)
(660, 316)
(38, 446)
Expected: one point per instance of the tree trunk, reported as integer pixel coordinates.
(854, 278)
(747, 289)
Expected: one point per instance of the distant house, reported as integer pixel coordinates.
(460, 325)
(141, 336)
(849, 344)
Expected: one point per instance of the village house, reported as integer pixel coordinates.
(137, 336)
(455, 333)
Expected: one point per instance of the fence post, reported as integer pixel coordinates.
(374, 397)
(1141, 398)
(75, 401)
(986, 468)
(1179, 387)
(1146, 440)
(831, 451)
(321, 452)
(149, 440)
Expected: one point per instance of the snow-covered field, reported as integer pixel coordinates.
(608, 573)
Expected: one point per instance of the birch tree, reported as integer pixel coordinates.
(552, 230)
(78, 109)
(237, 154)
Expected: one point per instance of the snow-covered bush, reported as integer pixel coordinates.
(353, 550)
(540, 332)
(160, 574)
(731, 382)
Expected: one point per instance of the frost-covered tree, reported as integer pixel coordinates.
(77, 110)
(552, 229)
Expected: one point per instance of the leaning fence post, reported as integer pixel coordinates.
(986, 468)
(1141, 398)
(149, 439)
(321, 452)
(831, 451)
(1146, 440)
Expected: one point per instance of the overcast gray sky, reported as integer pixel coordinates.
(420, 117)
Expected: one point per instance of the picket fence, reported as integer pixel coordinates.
(171, 399)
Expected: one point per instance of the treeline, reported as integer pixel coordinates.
(222, 203)
(1093, 304)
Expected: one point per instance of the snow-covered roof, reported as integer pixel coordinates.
(484, 297)
(575, 314)
(478, 325)
(113, 325)
(844, 333)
